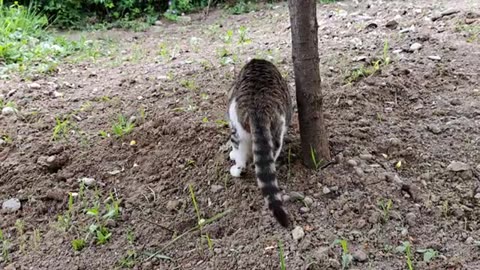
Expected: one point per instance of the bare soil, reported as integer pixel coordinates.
(394, 135)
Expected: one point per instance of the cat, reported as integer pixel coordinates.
(259, 112)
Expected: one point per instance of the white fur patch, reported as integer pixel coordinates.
(282, 135)
(243, 154)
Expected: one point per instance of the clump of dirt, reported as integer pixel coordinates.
(403, 120)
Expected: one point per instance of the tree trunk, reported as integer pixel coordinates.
(313, 134)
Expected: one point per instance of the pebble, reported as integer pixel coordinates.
(434, 129)
(469, 240)
(435, 57)
(393, 24)
(477, 196)
(87, 181)
(8, 111)
(173, 205)
(10, 267)
(11, 205)
(360, 255)
(356, 42)
(216, 188)
(411, 219)
(2, 142)
(326, 190)
(359, 171)
(34, 86)
(308, 201)
(456, 102)
(304, 210)
(298, 233)
(366, 156)
(294, 195)
(352, 162)
(457, 166)
(349, 102)
(415, 47)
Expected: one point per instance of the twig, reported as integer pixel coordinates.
(156, 224)
(208, 9)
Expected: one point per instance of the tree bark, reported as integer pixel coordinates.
(313, 134)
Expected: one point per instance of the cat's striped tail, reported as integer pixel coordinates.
(265, 172)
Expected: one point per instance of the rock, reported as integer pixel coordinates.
(158, 23)
(411, 219)
(57, 94)
(11, 205)
(360, 255)
(88, 181)
(53, 163)
(216, 188)
(456, 102)
(34, 86)
(469, 240)
(173, 205)
(457, 166)
(393, 24)
(435, 57)
(415, 47)
(349, 102)
(366, 156)
(10, 267)
(298, 233)
(326, 190)
(395, 142)
(286, 197)
(308, 201)
(357, 43)
(304, 210)
(359, 171)
(8, 111)
(435, 129)
(352, 162)
(445, 13)
(477, 196)
(2, 142)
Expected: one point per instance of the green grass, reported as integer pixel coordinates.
(28, 46)
(346, 256)
(281, 255)
(122, 126)
(406, 248)
(371, 68)
(61, 129)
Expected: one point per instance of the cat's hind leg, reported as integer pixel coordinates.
(241, 143)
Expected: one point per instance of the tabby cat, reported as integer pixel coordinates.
(260, 110)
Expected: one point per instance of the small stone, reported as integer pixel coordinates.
(2, 142)
(457, 166)
(298, 233)
(173, 205)
(216, 188)
(34, 86)
(395, 142)
(356, 42)
(8, 111)
(360, 255)
(308, 201)
(87, 181)
(352, 162)
(393, 24)
(366, 156)
(10, 267)
(326, 190)
(435, 57)
(57, 94)
(349, 102)
(11, 205)
(456, 102)
(158, 23)
(304, 210)
(477, 196)
(469, 240)
(359, 171)
(411, 219)
(434, 129)
(415, 47)
(286, 197)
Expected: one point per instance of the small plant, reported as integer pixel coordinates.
(7, 139)
(428, 254)
(385, 206)
(242, 32)
(113, 208)
(221, 123)
(129, 260)
(241, 7)
(103, 235)
(372, 68)
(228, 36)
(346, 256)
(36, 239)
(130, 236)
(62, 128)
(20, 228)
(5, 246)
(281, 255)
(122, 127)
(445, 209)
(200, 220)
(407, 249)
(189, 84)
(313, 156)
(78, 244)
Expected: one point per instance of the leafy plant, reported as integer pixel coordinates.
(428, 254)
(346, 256)
(78, 244)
(281, 255)
(62, 128)
(103, 235)
(122, 127)
(407, 249)
(385, 206)
(5, 246)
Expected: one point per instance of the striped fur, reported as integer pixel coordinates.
(260, 109)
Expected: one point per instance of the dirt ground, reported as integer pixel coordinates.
(406, 140)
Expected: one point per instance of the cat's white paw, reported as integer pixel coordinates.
(236, 171)
(232, 155)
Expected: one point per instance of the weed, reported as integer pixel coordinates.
(428, 254)
(122, 127)
(62, 128)
(313, 156)
(241, 7)
(221, 123)
(113, 208)
(228, 36)
(189, 84)
(346, 256)
(78, 244)
(407, 249)
(281, 255)
(130, 236)
(200, 220)
(7, 139)
(372, 68)
(445, 209)
(5, 246)
(129, 260)
(242, 32)
(103, 235)
(385, 206)
(103, 134)
(209, 242)
(20, 228)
